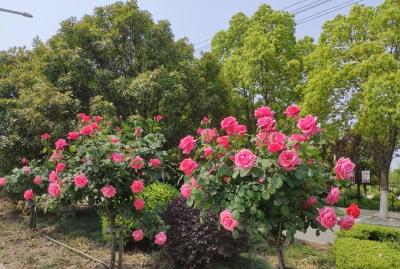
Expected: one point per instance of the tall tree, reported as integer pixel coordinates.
(353, 79)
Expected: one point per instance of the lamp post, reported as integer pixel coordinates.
(25, 14)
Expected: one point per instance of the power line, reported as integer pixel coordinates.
(292, 5)
(201, 42)
(310, 6)
(313, 17)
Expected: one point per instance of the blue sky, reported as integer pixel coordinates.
(197, 20)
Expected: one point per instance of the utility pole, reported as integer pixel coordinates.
(25, 14)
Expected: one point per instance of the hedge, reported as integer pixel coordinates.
(371, 232)
(352, 253)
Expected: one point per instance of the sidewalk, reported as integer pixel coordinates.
(367, 216)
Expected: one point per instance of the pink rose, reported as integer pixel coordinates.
(188, 166)
(240, 129)
(245, 159)
(138, 204)
(24, 161)
(138, 132)
(346, 222)
(28, 195)
(37, 180)
(56, 156)
(208, 135)
(227, 221)
(108, 191)
(228, 124)
(45, 136)
(94, 126)
(117, 157)
(199, 130)
(208, 151)
(186, 190)
(60, 167)
(54, 190)
(137, 235)
(266, 124)
(223, 141)
(73, 135)
(160, 238)
(158, 118)
(308, 125)
(27, 170)
(292, 111)
(137, 163)
(155, 163)
(312, 200)
(53, 176)
(298, 138)
(3, 181)
(333, 196)
(84, 117)
(114, 139)
(87, 130)
(344, 168)
(205, 120)
(276, 142)
(327, 217)
(81, 181)
(263, 111)
(194, 183)
(187, 144)
(61, 144)
(288, 160)
(98, 119)
(137, 186)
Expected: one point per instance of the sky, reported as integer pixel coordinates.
(197, 20)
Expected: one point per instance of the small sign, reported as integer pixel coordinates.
(365, 176)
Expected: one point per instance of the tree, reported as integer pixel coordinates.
(351, 82)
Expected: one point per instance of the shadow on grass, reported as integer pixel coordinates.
(245, 261)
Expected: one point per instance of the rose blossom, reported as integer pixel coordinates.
(137, 186)
(223, 141)
(155, 163)
(288, 159)
(263, 111)
(28, 195)
(186, 190)
(159, 118)
(266, 123)
(245, 159)
(24, 161)
(53, 176)
(208, 151)
(137, 235)
(87, 130)
(61, 144)
(160, 238)
(187, 144)
(205, 120)
(54, 190)
(84, 117)
(297, 138)
(81, 181)
(114, 139)
(308, 125)
(228, 124)
(194, 183)
(98, 118)
(137, 163)
(27, 170)
(73, 135)
(108, 191)
(276, 142)
(346, 222)
(353, 211)
(292, 111)
(327, 217)
(344, 168)
(3, 181)
(37, 180)
(56, 156)
(311, 200)
(138, 132)
(199, 130)
(240, 129)
(227, 221)
(45, 136)
(60, 167)
(208, 135)
(138, 204)
(188, 166)
(117, 157)
(333, 196)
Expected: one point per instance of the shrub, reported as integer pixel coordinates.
(193, 244)
(372, 232)
(352, 253)
(156, 196)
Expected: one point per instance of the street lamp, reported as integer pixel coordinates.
(25, 14)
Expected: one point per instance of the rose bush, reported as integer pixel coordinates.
(272, 183)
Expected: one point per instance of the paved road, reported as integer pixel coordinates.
(367, 216)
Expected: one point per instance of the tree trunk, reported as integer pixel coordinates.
(113, 241)
(281, 259)
(384, 184)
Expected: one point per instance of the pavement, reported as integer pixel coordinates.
(366, 216)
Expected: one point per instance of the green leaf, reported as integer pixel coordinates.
(244, 172)
(265, 195)
(266, 163)
(277, 182)
(285, 211)
(235, 234)
(235, 173)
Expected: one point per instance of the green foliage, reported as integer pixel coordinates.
(371, 232)
(352, 253)
(157, 195)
